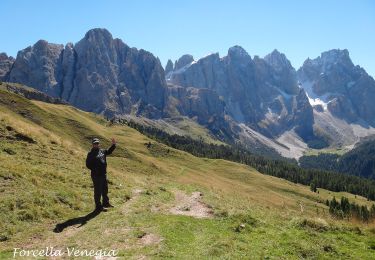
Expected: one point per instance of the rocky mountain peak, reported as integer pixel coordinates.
(98, 39)
(97, 34)
(254, 93)
(41, 44)
(69, 45)
(238, 52)
(277, 60)
(35, 66)
(43, 47)
(168, 67)
(283, 73)
(6, 63)
(335, 55)
(211, 57)
(98, 74)
(4, 56)
(347, 91)
(183, 61)
(331, 71)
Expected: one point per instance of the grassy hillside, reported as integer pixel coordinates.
(239, 213)
(180, 125)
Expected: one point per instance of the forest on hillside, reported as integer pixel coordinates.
(319, 178)
(360, 161)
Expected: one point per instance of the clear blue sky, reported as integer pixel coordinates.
(169, 29)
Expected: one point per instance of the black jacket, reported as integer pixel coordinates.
(96, 160)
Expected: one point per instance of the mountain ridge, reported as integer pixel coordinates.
(103, 75)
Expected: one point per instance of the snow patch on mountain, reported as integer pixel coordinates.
(314, 99)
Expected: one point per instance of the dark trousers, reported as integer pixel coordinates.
(100, 189)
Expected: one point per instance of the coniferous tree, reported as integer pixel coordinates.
(345, 209)
(313, 186)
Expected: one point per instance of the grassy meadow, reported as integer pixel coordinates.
(44, 182)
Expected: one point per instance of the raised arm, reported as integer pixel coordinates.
(112, 148)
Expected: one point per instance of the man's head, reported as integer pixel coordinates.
(95, 143)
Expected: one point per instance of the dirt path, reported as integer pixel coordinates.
(191, 205)
(135, 194)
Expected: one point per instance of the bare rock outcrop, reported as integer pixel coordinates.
(6, 63)
(262, 93)
(346, 90)
(98, 74)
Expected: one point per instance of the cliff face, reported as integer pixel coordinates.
(98, 74)
(343, 89)
(233, 96)
(203, 105)
(103, 75)
(6, 64)
(39, 67)
(262, 93)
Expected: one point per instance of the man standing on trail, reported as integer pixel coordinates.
(96, 161)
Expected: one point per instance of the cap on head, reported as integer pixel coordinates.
(95, 141)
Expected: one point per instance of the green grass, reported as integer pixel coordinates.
(184, 126)
(338, 151)
(44, 182)
(193, 129)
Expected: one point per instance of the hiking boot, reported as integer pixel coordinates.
(108, 205)
(99, 209)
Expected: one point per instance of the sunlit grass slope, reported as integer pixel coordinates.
(43, 182)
